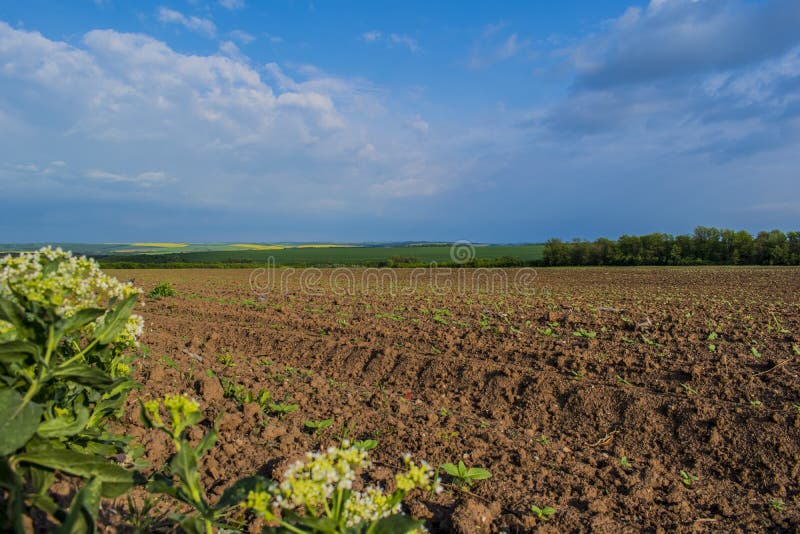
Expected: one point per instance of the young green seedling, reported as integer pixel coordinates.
(687, 478)
(584, 333)
(543, 514)
(282, 409)
(366, 444)
(318, 426)
(463, 475)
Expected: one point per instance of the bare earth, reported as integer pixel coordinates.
(674, 369)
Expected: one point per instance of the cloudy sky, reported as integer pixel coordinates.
(290, 120)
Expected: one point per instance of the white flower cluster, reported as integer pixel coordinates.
(75, 283)
(315, 485)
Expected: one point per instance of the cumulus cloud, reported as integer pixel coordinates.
(672, 38)
(219, 131)
(710, 77)
(191, 23)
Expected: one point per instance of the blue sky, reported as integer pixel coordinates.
(289, 120)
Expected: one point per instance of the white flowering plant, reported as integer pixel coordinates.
(317, 495)
(64, 375)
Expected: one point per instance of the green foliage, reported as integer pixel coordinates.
(242, 395)
(542, 514)
(687, 478)
(163, 289)
(584, 333)
(179, 477)
(281, 408)
(318, 426)
(63, 378)
(317, 496)
(463, 475)
(705, 246)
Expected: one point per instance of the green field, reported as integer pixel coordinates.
(229, 255)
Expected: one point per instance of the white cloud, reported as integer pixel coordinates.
(392, 39)
(407, 187)
(494, 46)
(232, 4)
(144, 179)
(242, 36)
(371, 36)
(220, 130)
(420, 125)
(191, 23)
(404, 40)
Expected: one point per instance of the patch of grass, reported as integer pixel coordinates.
(162, 290)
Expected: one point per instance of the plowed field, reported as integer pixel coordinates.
(588, 390)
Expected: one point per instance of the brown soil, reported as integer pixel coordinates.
(473, 376)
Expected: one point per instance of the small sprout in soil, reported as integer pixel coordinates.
(544, 440)
(549, 332)
(775, 326)
(463, 475)
(210, 373)
(163, 289)
(687, 478)
(146, 517)
(576, 375)
(689, 389)
(713, 336)
(318, 426)
(624, 462)
(226, 359)
(650, 342)
(366, 444)
(444, 412)
(622, 381)
(755, 402)
(796, 349)
(169, 362)
(777, 504)
(754, 352)
(282, 409)
(543, 514)
(584, 333)
(712, 347)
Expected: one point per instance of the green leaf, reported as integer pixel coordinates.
(239, 490)
(80, 319)
(451, 470)
(115, 479)
(17, 351)
(13, 313)
(82, 514)
(207, 441)
(396, 524)
(65, 425)
(81, 373)
(115, 321)
(318, 524)
(193, 524)
(478, 473)
(184, 466)
(18, 421)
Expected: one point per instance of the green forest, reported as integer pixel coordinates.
(706, 246)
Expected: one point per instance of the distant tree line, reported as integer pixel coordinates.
(706, 246)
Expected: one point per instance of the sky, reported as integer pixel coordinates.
(348, 121)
